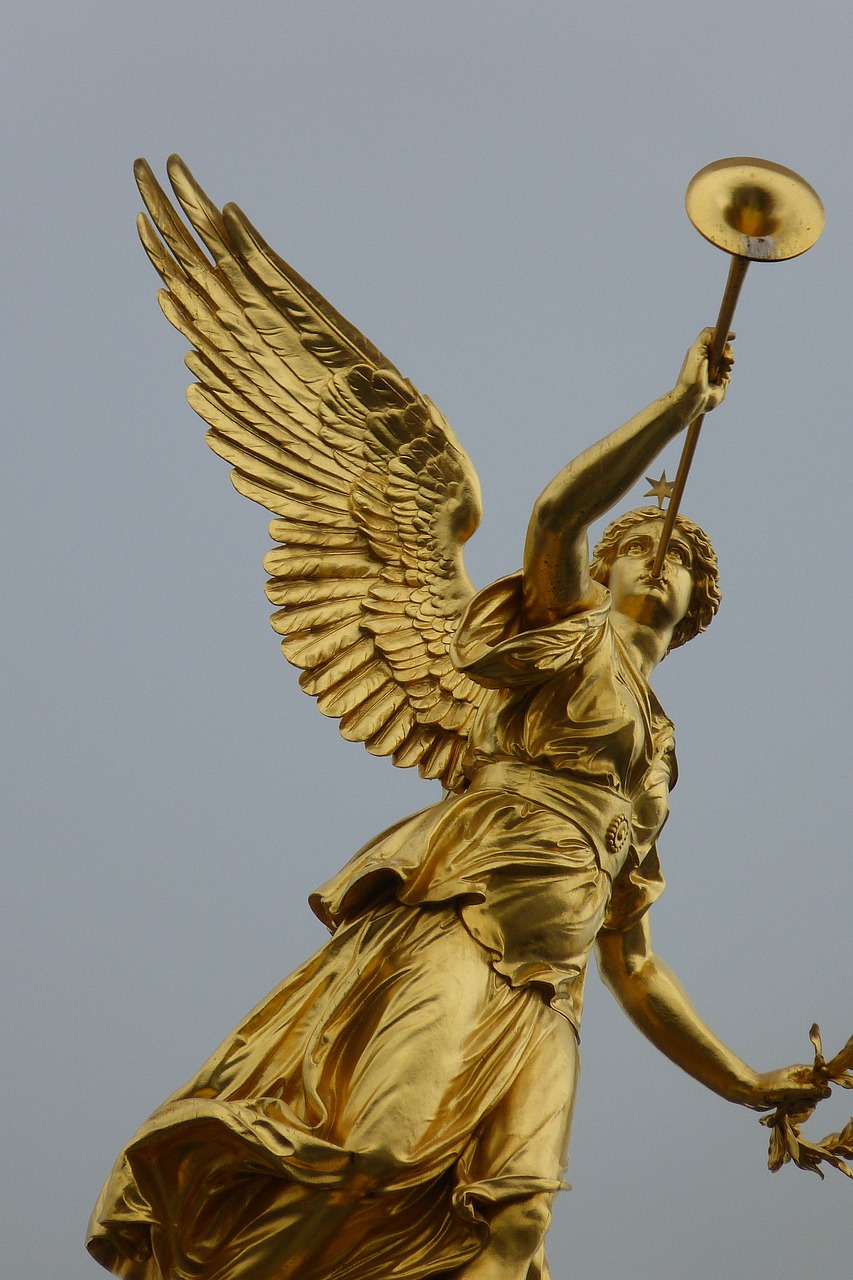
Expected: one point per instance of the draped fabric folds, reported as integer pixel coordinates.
(421, 1067)
(320, 1143)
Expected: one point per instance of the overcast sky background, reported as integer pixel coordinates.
(493, 193)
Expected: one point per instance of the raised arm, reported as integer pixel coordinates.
(556, 553)
(656, 1002)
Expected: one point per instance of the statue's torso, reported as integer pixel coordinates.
(570, 762)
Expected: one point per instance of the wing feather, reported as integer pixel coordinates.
(306, 533)
(310, 649)
(318, 564)
(373, 493)
(413, 749)
(319, 326)
(351, 691)
(173, 232)
(385, 740)
(305, 591)
(314, 616)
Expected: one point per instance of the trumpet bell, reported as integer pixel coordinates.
(755, 209)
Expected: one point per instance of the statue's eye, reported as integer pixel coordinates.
(680, 554)
(636, 547)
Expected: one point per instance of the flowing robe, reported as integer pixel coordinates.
(422, 1065)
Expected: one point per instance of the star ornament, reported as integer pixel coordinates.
(661, 490)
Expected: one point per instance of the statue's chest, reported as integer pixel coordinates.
(598, 716)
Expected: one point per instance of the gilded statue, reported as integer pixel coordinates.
(400, 1106)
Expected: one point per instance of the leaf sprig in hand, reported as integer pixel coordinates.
(786, 1140)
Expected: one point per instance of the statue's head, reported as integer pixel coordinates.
(706, 594)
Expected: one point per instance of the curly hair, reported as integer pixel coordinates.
(705, 600)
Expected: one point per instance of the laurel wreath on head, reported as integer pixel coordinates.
(787, 1142)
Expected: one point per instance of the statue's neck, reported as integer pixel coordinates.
(645, 645)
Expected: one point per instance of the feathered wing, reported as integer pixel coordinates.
(373, 495)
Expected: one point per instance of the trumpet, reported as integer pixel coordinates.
(756, 211)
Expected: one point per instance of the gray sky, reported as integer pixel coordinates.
(493, 193)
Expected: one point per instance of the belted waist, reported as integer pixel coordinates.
(601, 813)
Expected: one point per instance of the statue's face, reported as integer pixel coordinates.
(658, 602)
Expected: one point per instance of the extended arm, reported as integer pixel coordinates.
(556, 554)
(655, 1001)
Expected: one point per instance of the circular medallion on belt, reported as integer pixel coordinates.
(617, 833)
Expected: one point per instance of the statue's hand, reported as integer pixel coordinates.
(693, 382)
(788, 1085)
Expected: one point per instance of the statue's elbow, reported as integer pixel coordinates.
(619, 965)
(552, 513)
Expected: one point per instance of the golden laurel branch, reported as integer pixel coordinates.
(786, 1140)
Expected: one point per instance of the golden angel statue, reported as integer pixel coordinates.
(400, 1105)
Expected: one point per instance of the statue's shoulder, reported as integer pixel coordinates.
(494, 648)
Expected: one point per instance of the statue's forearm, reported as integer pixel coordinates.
(596, 479)
(556, 554)
(659, 1006)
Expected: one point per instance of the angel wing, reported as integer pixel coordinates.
(373, 493)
